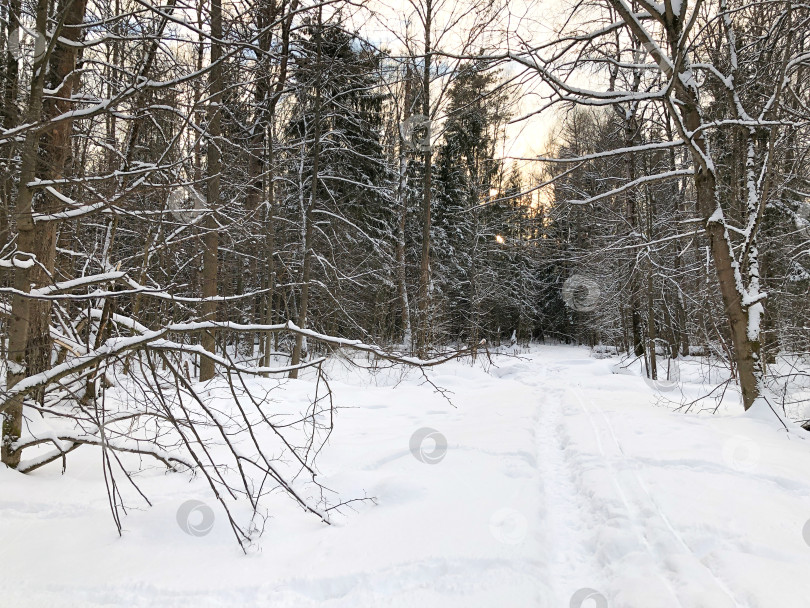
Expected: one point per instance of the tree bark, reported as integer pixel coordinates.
(24, 259)
(300, 347)
(424, 266)
(214, 160)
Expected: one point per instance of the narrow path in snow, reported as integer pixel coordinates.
(568, 542)
(651, 525)
(572, 523)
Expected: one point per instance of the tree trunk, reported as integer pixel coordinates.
(300, 347)
(402, 285)
(745, 349)
(270, 231)
(9, 119)
(21, 306)
(211, 237)
(630, 137)
(424, 267)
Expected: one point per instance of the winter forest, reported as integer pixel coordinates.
(481, 303)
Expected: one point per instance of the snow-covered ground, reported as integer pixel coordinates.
(563, 484)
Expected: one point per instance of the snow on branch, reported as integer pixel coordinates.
(647, 179)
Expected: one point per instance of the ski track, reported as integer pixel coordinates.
(566, 532)
(569, 513)
(641, 501)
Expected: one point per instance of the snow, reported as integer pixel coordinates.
(16, 262)
(755, 313)
(15, 368)
(564, 476)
